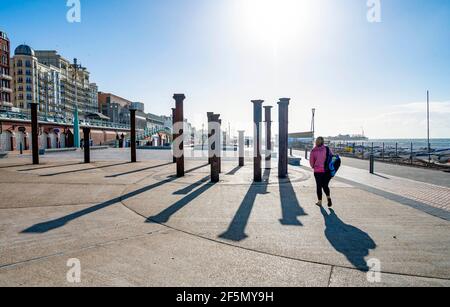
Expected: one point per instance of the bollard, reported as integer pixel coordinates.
(241, 148)
(257, 119)
(306, 152)
(21, 148)
(133, 135)
(87, 144)
(283, 137)
(35, 133)
(372, 163)
(179, 120)
(291, 152)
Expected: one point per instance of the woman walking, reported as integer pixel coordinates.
(318, 160)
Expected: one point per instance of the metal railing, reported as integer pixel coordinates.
(51, 119)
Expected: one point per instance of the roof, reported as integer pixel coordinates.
(24, 50)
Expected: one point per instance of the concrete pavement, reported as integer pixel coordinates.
(136, 224)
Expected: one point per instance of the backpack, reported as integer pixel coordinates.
(332, 163)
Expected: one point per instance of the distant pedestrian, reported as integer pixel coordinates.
(318, 161)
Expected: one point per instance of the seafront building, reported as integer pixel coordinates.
(6, 92)
(46, 78)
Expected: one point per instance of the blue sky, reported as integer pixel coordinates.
(223, 53)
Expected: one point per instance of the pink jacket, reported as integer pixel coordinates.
(318, 158)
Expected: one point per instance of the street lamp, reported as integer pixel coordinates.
(76, 122)
(313, 124)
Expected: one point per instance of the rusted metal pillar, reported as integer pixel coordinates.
(284, 137)
(268, 119)
(210, 121)
(219, 156)
(35, 133)
(179, 123)
(215, 147)
(257, 119)
(241, 148)
(87, 144)
(133, 135)
(174, 135)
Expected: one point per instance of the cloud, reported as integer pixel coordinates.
(410, 121)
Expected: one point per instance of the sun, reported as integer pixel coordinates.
(277, 21)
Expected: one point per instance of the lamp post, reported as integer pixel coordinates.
(313, 124)
(76, 122)
(428, 127)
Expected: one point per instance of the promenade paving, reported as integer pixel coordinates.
(138, 225)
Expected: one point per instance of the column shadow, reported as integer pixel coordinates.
(165, 215)
(234, 171)
(60, 222)
(138, 170)
(190, 188)
(290, 206)
(84, 169)
(47, 167)
(348, 240)
(236, 229)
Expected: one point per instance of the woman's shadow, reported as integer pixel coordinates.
(348, 240)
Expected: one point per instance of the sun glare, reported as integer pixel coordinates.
(278, 21)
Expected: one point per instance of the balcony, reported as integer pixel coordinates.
(5, 77)
(6, 90)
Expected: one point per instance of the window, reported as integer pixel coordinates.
(20, 80)
(19, 63)
(28, 64)
(20, 72)
(20, 89)
(29, 97)
(29, 89)
(29, 81)
(28, 72)
(20, 96)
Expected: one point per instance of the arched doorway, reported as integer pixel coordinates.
(69, 139)
(43, 141)
(5, 141)
(62, 140)
(53, 140)
(20, 140)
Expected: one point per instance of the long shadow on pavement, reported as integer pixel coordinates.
(236, 229)
(139, 170)
(60, 222)
(164, 216)
(85, 169)
(290, 206)
(190, 188)
(348, 240)
(234, 171)
(50, 166)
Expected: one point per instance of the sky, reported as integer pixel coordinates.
(323, 54)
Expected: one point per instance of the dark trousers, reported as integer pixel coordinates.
(322, 181)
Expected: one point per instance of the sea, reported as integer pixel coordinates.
(436, 144)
